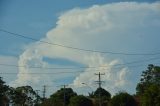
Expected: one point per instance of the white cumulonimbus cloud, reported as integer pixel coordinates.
(113, 27)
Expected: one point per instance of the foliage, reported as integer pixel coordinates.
(123, 99)
(149, 87)
(104, 95)
(60, 95)
(102, 92)
(23, 95)
(151, 96)
(3, 92)
(91, 95)
(80, 101)
(150, 76)
(47, 102)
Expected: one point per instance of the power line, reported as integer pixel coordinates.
(54, 73)
(75, 48)
(49, 72)
(43, 73)
(67, 68)
(62, 72)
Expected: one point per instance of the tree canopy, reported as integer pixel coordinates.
(102, 92)
(101, 96)
(149, 87)
(23, 95)
(3, 92)
(123, 99)
(151, 75)
(151, 96)
(64, 94)
(80, 101)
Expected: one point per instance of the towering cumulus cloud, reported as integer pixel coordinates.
(118, 27)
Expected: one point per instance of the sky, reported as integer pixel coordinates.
(57, 42)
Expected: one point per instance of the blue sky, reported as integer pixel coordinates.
(37, 17)
(124, 26)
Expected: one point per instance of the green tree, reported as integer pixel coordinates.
(102, 92)
(58, 98)
(80, 101)
(3, 93)
(47, 102)
(23, 96)
(101, 96)
(151, 96)
(150, 76)
(149, 87)
(123, 99)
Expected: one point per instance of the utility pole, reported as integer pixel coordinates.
(64, 94)
(99, 82)
(44, 91)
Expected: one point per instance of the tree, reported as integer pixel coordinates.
(123, 99)
(102, 92)
(151, 96)
(101, 95)
(149, 87)
(80, 101)
(23, 95)
(3, 93)
(47, 102)
(62, 96)
(150, 76)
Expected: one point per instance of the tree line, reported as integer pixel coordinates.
(147, 94)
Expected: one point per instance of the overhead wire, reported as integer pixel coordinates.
(92, 67)
(70, 47)
(41, 73)
(65, 72)
(74, 48)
